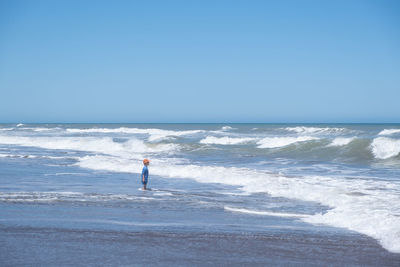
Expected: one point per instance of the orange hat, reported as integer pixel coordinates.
(146, 161)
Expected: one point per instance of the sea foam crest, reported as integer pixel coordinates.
(384, 148)
(360, 205)
(154, 134)
(389, 131)
(314, 130)
(273, 142)
(225, 140)
(90, 144)
(226, 128)
(341, 141)
(40, 129)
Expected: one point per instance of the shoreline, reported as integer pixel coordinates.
(81, 247)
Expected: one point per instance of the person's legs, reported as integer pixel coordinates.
(144, 186)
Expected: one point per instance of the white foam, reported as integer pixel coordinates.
(35, 129)
(91, 144)
(17, 156)
(226, 128)
(389, 131)
(384, 148)
(162, 194)
(41, 129)
(20, 124)
(109, 163)
(225, 140)
(35, 156)
(341, 141)
(266, 213)
(273, 142)
(154, 134)
(24, 197)
(314, 130)
(365, 206)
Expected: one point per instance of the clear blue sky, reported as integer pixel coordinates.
(200, 61)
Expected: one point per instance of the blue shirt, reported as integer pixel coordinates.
(145, 172)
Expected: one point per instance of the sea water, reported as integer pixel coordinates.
(275, 187)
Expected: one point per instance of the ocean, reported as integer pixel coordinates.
(220, 194)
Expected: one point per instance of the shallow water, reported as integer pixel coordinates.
(326, 188)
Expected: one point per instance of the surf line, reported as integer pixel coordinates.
(266, 213)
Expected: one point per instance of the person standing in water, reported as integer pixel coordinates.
(145, 173)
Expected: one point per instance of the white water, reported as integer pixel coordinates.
(341, 141)
(154, 134)
(359, 205)
(273, 142)
(226, 140)
(93, 144)
(384, 148)
(314, 130)
(389, 131)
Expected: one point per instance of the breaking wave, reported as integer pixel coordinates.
(225, 140)
(273, 142)
(389, 131)
(384, 148)
(227, 128)
(91, 144)
(341, 141)
(6, 129)
(154, 134)
(315, 130)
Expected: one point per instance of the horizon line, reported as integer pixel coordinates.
(200, 122)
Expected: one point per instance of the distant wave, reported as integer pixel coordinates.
(384, 148)
(90, 144)
(341, 141)
(227, 128)
(273, 142)
(225, 140)
(35, 129)
(155, 134)
(35, 156)
(40, 129)
(314, 130)
(389, 131)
